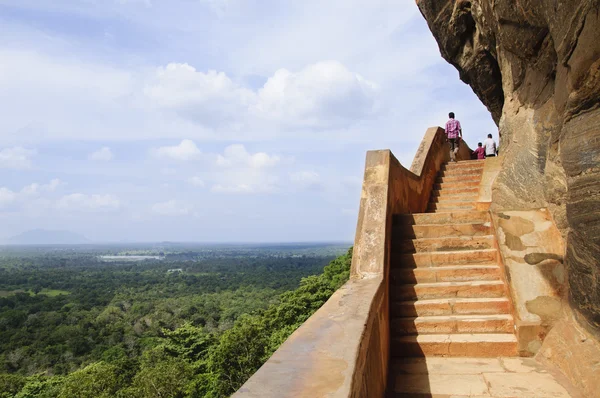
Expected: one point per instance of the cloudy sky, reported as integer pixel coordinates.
(211, 120)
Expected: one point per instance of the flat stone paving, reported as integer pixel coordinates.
(435, 377)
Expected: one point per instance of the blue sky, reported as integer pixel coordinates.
(211, 120)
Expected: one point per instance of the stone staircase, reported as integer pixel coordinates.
(448, 296)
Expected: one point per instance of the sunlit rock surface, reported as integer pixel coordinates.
(535, 64)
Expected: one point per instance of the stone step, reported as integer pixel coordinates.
(458, 178)
(436, 193)
(442, 377)
(465, 168)
(437, 231)
(445, 244)
(463, 197)
(450, 306)
(449, 186)
(467, 164)
(461, 273)
(450, 324)
(487, 345)
(464, 377)
(439, 290)
(451, 206)
(453, 202)
(455, 217)
(460, 172)
(437, 259)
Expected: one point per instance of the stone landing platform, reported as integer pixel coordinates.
(436, 377)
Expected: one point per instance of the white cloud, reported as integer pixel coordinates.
(6, 196)
(30, 199)
(235, 188)
(303, 177)
(237, 155)
(186, 150)
(84, 202)
(168, 171)
(306, 30)
(267, 84)
(209, 98)
(243, 172)
(170, 208)
(35, 188)
(146, 3)
(54, 95)
(31, 189)
(324, 94)
(219, 7)
(179, 101)
(16, 158)
(103, 154)
(196, 181)
(245, 181)
(53, 184)
(306, 179)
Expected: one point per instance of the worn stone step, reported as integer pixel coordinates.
(463, 197)
(461, 273)
(439, 290)
(436, 259)
(450, 306)
(436, 193)
(455, 217)
(439, 386)
(458, 178)
(437, 231)
(449, 324)
(460, 172)
(453, 202)
(464, 377)
(436, 377)
(465, 169)
(448, 243)
(466, 164)
(484, 345)
(449, 186)
(451, 206)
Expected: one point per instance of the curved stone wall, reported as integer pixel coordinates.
(343, 349)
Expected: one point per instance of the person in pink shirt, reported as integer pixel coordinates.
(453, 135)
(480, 152)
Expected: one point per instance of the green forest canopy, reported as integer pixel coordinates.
(135, 330)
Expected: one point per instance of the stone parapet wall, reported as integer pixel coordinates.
(389, 188)
(343, 349)
(320, 358)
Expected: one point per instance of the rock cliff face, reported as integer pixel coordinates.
(535, 64)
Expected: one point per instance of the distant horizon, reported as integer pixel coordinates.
(96, 243)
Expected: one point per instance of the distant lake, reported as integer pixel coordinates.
(130, 258)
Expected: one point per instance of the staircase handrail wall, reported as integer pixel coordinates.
(342, 350)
